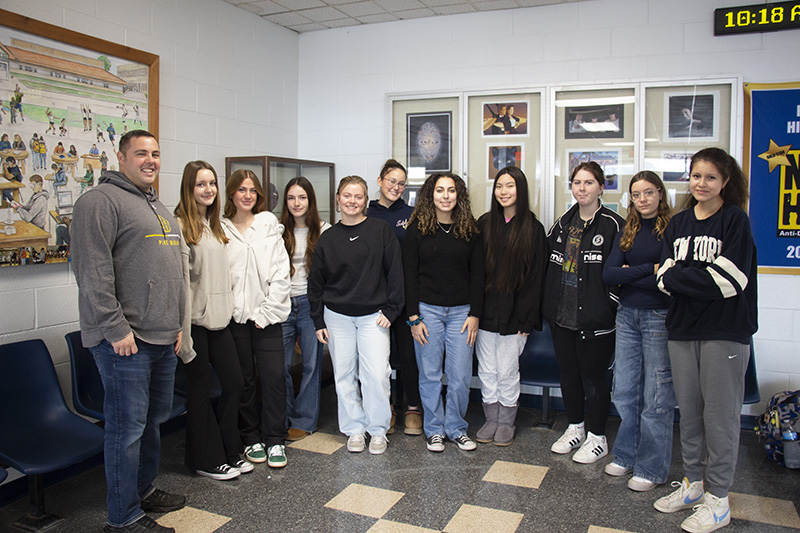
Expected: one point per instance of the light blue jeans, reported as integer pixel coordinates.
(302, 412)
(445, 341)
(643, 393)
(360, 353)
(138, 399)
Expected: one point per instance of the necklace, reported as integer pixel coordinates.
(448, 230)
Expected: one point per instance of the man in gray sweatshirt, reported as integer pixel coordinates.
(125, 248)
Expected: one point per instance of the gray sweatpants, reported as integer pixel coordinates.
(709, 386)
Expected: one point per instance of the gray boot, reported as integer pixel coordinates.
(505, 426)
(486, 433)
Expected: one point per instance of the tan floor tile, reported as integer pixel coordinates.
(364, 500)
(517, 474)
(387, 526)
(598, 529)
(320, 443)
(191, 520)
(473, 519)
(764, 510)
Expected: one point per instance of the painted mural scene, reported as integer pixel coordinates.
(62, 111)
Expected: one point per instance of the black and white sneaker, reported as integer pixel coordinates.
(243, 466)
(436, 443)
(465, 443)
(221, 473)
(593, 448)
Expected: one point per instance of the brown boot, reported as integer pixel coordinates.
(505, 426)
(487, 431)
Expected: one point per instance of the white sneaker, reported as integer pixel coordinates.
(594, 448)
(355, 443)
(243, 466)
(220, 473)
(687, 496)
(378, 444)
(614, 469)
(571, 439)
(713, 514)
(640, 484)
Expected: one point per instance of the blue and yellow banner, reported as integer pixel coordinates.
(772, 163)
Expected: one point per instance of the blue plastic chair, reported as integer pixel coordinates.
(39, 433)
(538, 367)
(87, 386)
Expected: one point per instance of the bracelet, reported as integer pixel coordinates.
(414, 322)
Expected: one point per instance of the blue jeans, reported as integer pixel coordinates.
(138, 399)
(360, 353)
(445, 341)
(643, 393)
(302, 412)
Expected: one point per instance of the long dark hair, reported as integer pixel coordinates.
(312, 221)
(517, 256)
(634, 221)
(736, 190)
(425, 212)
(186, 209)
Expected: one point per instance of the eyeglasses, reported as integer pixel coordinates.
(649, 193)
(393, 183)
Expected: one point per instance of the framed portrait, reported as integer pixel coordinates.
(65, 99)
(691, 116)
(429, 141)
(505, 118)
(607, 159)
(594, 122)
(500, 156)
(675, 166)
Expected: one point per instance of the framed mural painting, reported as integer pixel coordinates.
(65, 99)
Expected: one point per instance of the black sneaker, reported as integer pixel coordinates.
(220, 473)
(436, 443)
(162, 502)
(144, 525)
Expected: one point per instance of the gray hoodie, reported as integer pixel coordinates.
(125, 248)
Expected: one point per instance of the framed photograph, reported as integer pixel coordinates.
(675, 166)
(594, 122)
(614, 206)
(500, 156)
(505, 118)
(691, 116)
(429, 138)
(65, 99)
(607, 159)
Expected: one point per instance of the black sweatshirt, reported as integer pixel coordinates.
(356, 271)
(442, 270)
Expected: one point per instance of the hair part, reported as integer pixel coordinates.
(192, 222)
(633, 223)
(313, 222)
(591, 167)
(353, 180)
(126, 139)
(736, 190)
(425, 212)
(232, 185)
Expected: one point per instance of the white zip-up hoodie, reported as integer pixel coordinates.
(259, 268)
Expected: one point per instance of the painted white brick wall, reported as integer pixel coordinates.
(596, 41)
(228, 88)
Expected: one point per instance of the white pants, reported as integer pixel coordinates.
(498, 366)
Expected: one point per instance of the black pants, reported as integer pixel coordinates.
(582, 368)
(261, 356)
(212, 440)
(404, 361)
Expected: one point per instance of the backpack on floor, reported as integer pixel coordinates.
(779, 428)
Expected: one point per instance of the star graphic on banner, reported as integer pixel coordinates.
(776, 155)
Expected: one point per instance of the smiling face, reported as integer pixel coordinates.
(352, 200)
(646, 198)
(586, 189)
(141, 161)
(392, 185)
(706, 182)
(297, 201)
(505, 191)
(205, 189)
(444, 198)
(244, 198)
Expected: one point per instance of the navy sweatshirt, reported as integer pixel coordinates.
(709, 267)
(396, 215)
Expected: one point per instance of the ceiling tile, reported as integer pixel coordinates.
(415, 14)
(358, 9)
(288, 19)
(296, 5)
(322, 14)
(399, 5)
(379, 17)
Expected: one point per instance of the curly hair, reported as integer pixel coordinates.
(313, 222)
(425, 212)
(186, 209)
(634, 221)
(735, 191)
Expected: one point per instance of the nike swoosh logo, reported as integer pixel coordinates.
(354, 238)
(732, 356)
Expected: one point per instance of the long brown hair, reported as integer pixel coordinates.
(425, 212)
(634, 221)
(186, 210)
(312, 221)
(233, 184)
(736, 190)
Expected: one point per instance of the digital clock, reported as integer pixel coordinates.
(760, 17)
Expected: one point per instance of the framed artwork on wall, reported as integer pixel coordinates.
(65, 98)
(595, 122)
(429, 137)
(607, 159)
(500, 155)
(676, 166)
(691, 116)
(505, 118)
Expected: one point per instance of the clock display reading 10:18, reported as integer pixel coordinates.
(757, 18)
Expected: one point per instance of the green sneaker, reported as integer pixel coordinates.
(255, 453)
(277, 456)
